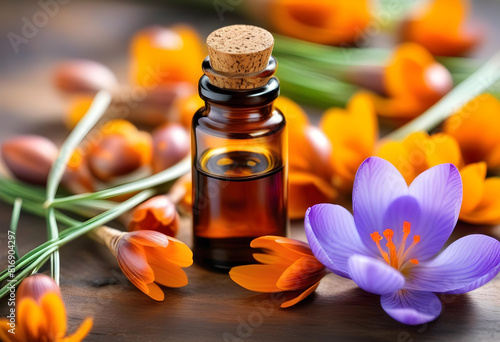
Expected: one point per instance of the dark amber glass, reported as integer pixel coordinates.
(239, 173)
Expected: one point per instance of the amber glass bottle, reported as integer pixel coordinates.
(239, 160)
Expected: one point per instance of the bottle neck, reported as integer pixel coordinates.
(240, 105)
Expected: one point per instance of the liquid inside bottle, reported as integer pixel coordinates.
(240, 195)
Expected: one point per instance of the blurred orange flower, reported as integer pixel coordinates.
(40, 314)
(353, 133)
(321, 21)
(413, 81)
(147, 257)
(161, 55)
(309, 164)
(440, 26)
(475, 128)
(287, 265)
(158, 214)
(419, 152)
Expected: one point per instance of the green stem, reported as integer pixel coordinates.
(167, 175)
(474, 85)
(16, 212)
(97, 109)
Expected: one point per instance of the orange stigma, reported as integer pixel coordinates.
(396, 256)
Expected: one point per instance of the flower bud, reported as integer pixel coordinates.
(87, 76)
(29, 157)
(36, 286)
(157, 213)
(77, 177)
(171, 144)
(113, 156)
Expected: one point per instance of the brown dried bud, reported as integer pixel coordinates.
(171, 144)
(81, 75)
(114, 156)
(36, 286)
(157, 213)
(29, 157)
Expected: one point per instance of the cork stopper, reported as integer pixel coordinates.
(239, 57)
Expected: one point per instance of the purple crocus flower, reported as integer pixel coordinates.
(388, 246)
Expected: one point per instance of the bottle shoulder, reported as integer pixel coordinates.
(239, 128)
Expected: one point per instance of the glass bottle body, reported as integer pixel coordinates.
(239, 174)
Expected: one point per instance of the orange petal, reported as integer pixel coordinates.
(82, 331)
(398, 155)
(301, 274)
(306, 190)
(77, 108)
(5, 335)
(270, 246)
(300, 297)
(475, 127)
(176, 252)
(30, 319)
(473, 176)
(55, 314)
(319, 21)
(439, 25)
(296, 117)
(298, 246)
(148, 238)
(132, 261)
(169, 274)
(265, 258)
(259, 278)
(442, 148)
(155, 292)
(488, 210)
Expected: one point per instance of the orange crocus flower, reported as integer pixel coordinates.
(158, 214)
(419, 152)
(40, 314)
(353, 132)
(309, 164)
(148, 257)
(287, 265)
(321, 21)
(475, 128)
(160, 55)
(413, 82)
(440, 26)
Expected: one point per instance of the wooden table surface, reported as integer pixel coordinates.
(211, 307)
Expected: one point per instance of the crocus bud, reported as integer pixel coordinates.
(171, 143)
(77, 177)
(29, 157)
(76, 76)
(157, 213)
(120, 150)
(36, 286)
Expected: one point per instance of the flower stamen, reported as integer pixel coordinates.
(396, 256)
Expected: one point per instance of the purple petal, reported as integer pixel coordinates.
(412, 307)
(439, 193)
(377, 184)
(332, 236)
(404, 208)
(465, 265)
(374, 276)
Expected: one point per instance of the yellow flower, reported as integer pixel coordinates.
(475, 128)
(40, 314)
(419, 151)
(413, 81)
(353, 133)
(287, 265)
(147, 257)
(439, 26)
